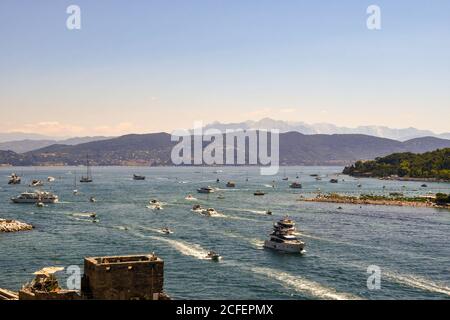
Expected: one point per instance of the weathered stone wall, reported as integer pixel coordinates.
(59, 295)
(124, 279)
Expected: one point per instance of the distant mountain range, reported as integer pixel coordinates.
(29, 144)
(24, 142)
(155, 149)
(326, 128)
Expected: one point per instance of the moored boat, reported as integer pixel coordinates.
(295, 185)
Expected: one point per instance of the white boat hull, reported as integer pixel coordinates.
(286, 247)
(34, 200)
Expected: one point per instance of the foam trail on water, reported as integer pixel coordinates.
(417, 282)
(300, 284)
(188, 249)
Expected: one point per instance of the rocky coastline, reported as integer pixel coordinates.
(8, 225)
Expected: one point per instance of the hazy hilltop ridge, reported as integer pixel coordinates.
(29, 144)
(155, 149)
(327, 128)
(429, 165)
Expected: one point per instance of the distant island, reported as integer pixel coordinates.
(433, 166)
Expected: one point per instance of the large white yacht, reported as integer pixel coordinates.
(36, 197)
(283, 239)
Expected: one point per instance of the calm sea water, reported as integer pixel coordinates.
(410, 245)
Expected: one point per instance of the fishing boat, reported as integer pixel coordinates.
(88, 177)
(282, 237)
(138, 177)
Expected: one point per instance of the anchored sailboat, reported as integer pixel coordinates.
(88, 177)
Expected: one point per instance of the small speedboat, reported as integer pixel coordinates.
(285, 179)
(190, 198)
(231, 184)
(50, 179)
(424, 186)
(40, 204)
(14, 179)
(166, 230)
(36, 183)
(75, 192)
(359, 185)
(92, 215)
(209, 212)
(268, 212)
(138, 177)
(213, 256)
(334, 181)
(207, 189)
(197, 208)
(92, 199)
(259, 193)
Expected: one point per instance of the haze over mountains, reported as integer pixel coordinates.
(155, 149)
(23, 142)
(327, 128)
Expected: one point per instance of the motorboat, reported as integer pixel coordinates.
(166, 230)
(295, 185)
(36, 197)
(14, 179)
(138, 177)
(213, 256)
(36, 183)
(207, 189)
(283, 238)
(259, 193)
(209, 212)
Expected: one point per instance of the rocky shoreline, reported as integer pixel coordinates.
(7, 225)
(398, 203)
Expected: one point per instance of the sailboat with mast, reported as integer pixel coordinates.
(88, 177)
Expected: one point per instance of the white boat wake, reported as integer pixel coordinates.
(302, 285)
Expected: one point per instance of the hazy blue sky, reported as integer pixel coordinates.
(145, 66)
